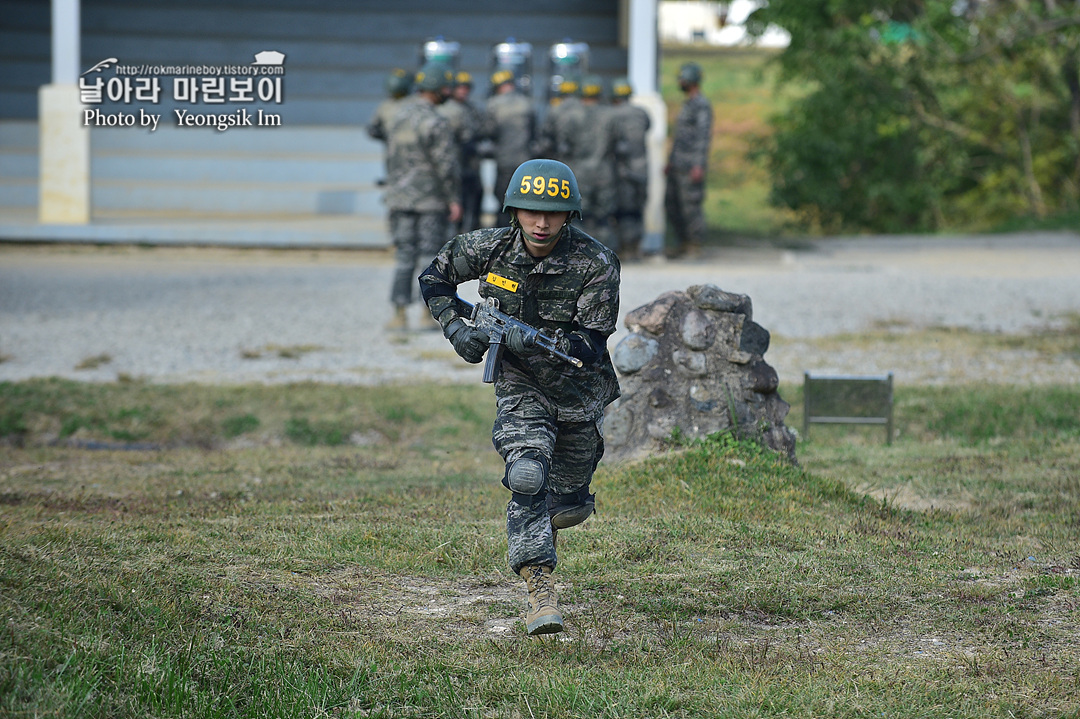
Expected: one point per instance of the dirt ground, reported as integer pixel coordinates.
(229, 316)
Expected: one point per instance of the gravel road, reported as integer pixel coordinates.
(236, 316)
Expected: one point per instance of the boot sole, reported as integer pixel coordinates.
(545, 625)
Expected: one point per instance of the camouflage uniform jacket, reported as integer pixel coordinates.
(471, 152)
(575, 287)
(465, 123)
(594, 146)
(510, 124)
(379, 125)
(631, 128)
(560, 135)
(422, 164)
(693, 132)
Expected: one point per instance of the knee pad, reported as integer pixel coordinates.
(526, 477)
(569, 510)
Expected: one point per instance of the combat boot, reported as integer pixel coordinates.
(399, 322)
(543, 616)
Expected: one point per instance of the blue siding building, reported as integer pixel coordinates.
(307, 176)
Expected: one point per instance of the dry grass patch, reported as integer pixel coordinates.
(94, 362)
(281, 351)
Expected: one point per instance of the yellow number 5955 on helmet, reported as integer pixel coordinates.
(543, 186)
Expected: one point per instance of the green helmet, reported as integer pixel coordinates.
(463, 79)
(620, 87)
(569, 85)
(433, 77)
(502, 76)
(398, 83)
(544, 186)
(690, 73)
(592, 86)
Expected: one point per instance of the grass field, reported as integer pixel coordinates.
(311, 551)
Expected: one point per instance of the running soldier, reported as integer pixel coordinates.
(423, 190)
(549, 413)
(687, 163)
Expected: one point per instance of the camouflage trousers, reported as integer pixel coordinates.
(631, 197)
(418, 236)
(682, 203)
(524, 424)
(503, 175)
(597, 213)
(472, 198)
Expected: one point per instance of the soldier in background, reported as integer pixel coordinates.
(577, 131)
(510, 129)
(592, 149)
(630, 125)
(562, 124)
(472, 188)
(466, 123)
(686, 166)
(423, 188)
(398, 86)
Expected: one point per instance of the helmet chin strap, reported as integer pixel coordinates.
(515, 224)
(550, 240)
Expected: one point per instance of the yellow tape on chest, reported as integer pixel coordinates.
(494, 279)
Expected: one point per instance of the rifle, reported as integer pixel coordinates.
(495, 323)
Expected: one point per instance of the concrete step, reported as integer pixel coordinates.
(18, 164)
(235, 198)
(237, 231)
(174, 168)
(169, 138)
(210, 198)
(18, 134)
(214, 197)
(356, 171)
(19, 192)
(268, 171)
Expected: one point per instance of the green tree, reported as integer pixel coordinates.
(927, 114)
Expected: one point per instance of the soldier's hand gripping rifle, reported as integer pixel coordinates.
(495, 323)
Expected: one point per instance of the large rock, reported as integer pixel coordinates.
(694, 361)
